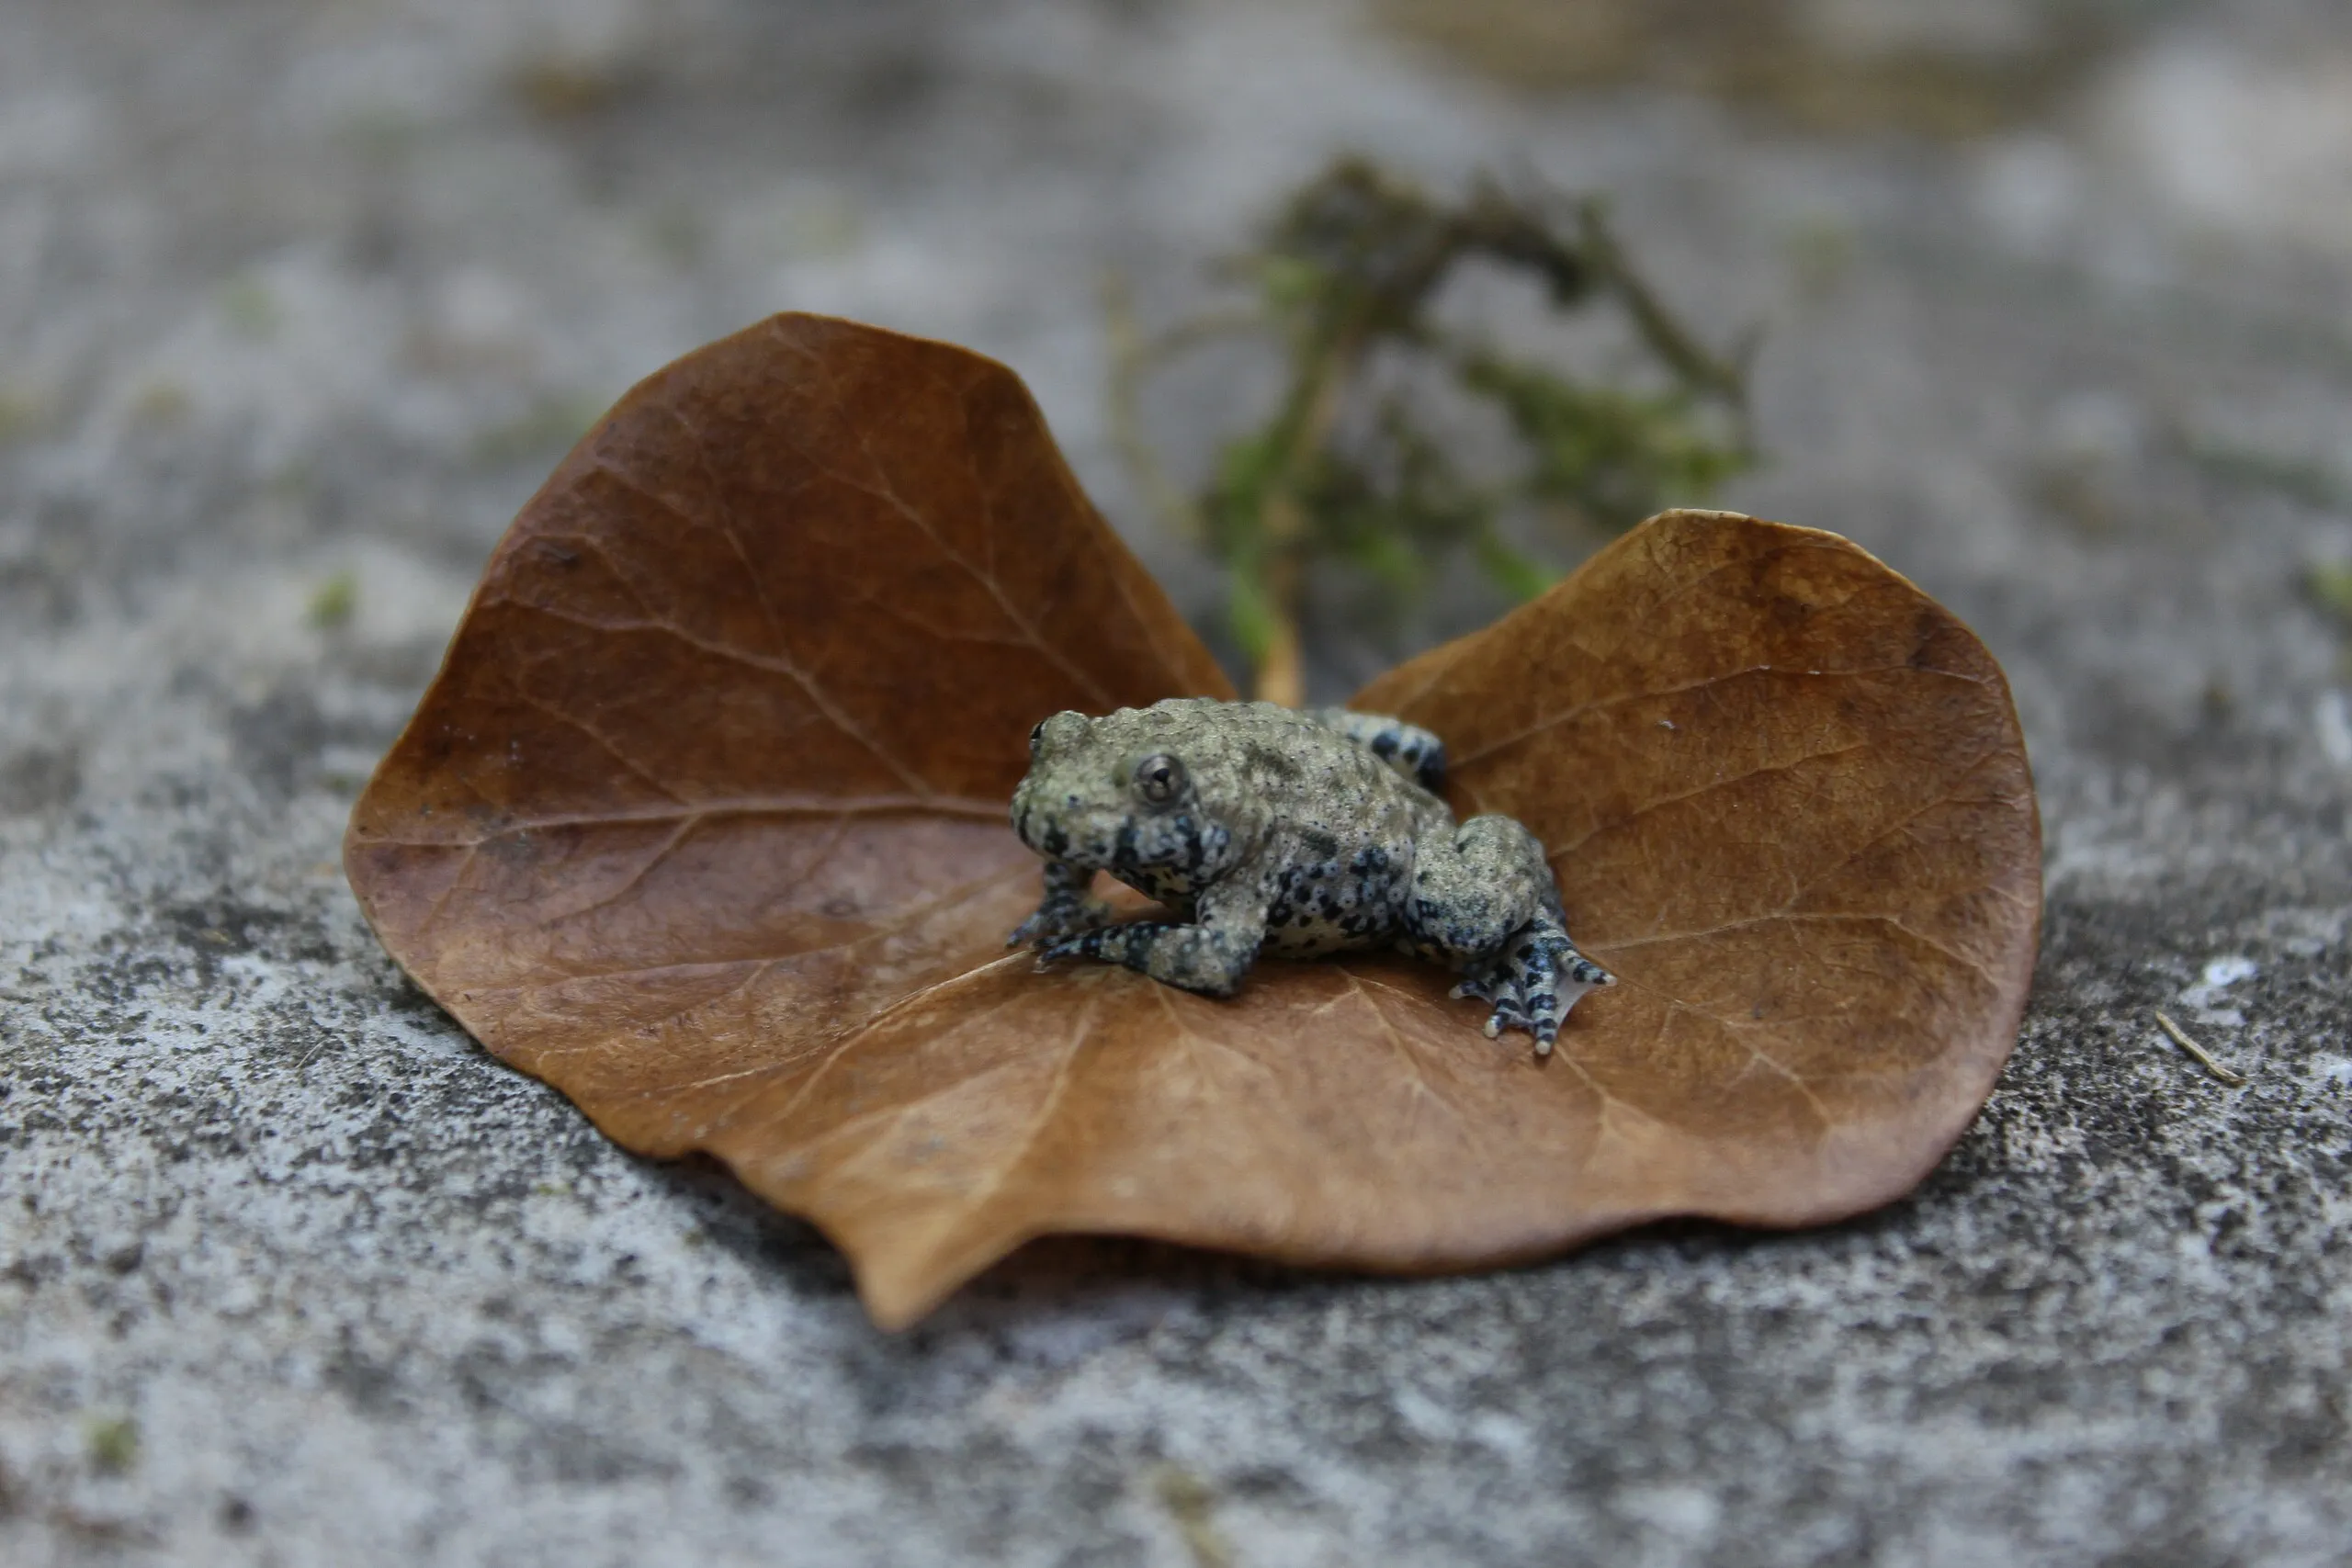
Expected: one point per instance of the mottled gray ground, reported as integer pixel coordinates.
(291, 1272)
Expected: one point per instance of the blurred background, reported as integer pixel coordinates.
(2050, 303)
(332, 284)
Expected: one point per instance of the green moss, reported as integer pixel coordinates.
(551, 424)
(2312, 483)
(112, 1442)
(21, 413)
(1191, 1507)
(1612, 455)
(2331, 588)
(251, 310)
(332, 601)
(161, 403)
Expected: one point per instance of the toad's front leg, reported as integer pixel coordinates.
(1068, 908)
(1210, 955)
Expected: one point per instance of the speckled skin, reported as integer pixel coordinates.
(1298, 833)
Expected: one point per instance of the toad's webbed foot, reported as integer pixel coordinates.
(1534, 978)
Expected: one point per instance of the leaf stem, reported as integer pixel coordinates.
(1282, 523)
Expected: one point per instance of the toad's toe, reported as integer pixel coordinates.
(1582, 971)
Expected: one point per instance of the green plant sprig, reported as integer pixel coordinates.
(1348, 270)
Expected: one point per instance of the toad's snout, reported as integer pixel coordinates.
(1037, 829)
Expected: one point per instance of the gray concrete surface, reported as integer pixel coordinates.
(290, 1272)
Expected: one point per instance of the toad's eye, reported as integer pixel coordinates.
(1037, 733)
(1159, 779)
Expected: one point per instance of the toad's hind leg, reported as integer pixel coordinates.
(1486, 904)
(1407, 748)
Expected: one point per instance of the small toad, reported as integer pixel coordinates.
(1272, 830)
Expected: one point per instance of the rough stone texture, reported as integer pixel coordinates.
(291, 1272)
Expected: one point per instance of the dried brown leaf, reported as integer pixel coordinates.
(703, 822)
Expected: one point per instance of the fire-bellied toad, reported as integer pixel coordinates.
(1270, 829)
